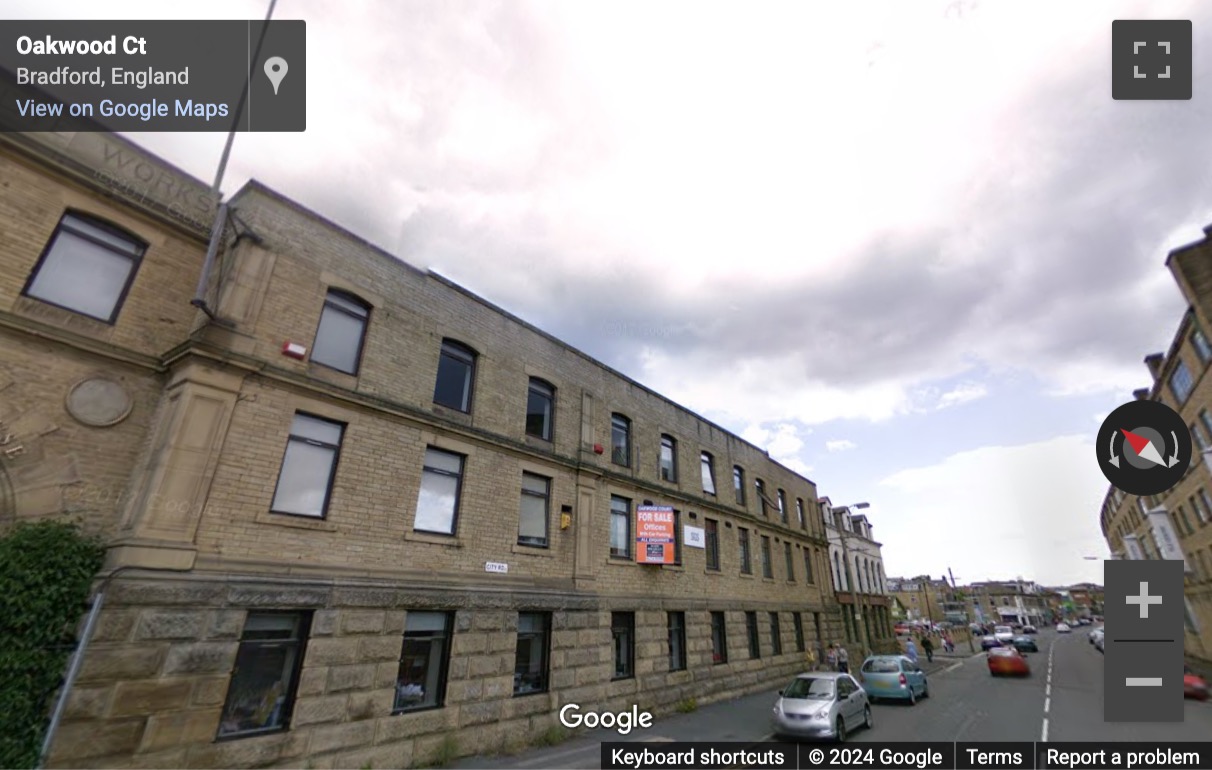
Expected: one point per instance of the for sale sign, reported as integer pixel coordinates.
(655, 538)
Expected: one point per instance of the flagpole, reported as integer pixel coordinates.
(216, 232)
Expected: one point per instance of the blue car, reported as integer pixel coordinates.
(893, 677)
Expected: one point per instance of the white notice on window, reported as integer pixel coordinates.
(694, 537)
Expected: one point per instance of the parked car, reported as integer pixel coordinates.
(1030, 629)
(989, 642)
(820, 704)
(1007, 661)
(1024, 644)
(1004, 634)
(1095, 633)
(1063, 628)
(1194, 685)
(895, 677)
(1098, 642)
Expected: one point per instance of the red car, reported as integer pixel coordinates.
(1194, 686)
(1007, 661)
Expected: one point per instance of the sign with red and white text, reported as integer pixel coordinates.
(655, 535)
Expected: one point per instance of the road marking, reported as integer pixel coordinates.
(1048, 689)
(1044, 735)
(1047, 704)
(953, 666)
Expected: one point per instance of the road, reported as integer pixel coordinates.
(1062, 700)
(967, 704)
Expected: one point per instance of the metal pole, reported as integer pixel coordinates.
(971, 644)
(216, 234)
(73, 671)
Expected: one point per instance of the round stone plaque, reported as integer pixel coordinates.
(99, 402)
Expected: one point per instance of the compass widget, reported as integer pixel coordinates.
(1144, 448)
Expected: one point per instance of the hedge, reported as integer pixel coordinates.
(46, 569)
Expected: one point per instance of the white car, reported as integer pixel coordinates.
(1004, 634)
(1063, 628)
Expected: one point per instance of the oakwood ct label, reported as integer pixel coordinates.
(654, 534)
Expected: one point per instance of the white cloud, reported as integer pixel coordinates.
(797, 465)
(962, 394)
(839, 445)
(997, 512)
(783, 441)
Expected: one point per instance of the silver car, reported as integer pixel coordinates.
(820, 704)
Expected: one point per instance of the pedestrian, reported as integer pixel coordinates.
(948, 645)
(843, 659)
(831, 657)
(911, 650)
(928, 648)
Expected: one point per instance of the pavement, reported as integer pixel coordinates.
(1062, 700)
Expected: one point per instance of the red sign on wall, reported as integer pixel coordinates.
(655, 535)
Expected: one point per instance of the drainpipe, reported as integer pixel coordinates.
(216, 232)
(72, 672)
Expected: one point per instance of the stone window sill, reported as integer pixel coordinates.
(533, 550)
(450, 541)
(619, 561)
(296, 521)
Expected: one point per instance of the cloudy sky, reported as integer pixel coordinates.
(912, 248)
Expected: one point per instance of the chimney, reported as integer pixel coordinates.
(1154, 362)
(1141, 394)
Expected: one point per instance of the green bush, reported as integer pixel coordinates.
(46, 569)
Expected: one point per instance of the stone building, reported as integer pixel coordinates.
(1175, 525)
(1020, 602)
(357, 515)
(924, 598)
(856, 568)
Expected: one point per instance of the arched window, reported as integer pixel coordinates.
(620, 440)
(456, 376)
(540, 409)
(342, 332)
